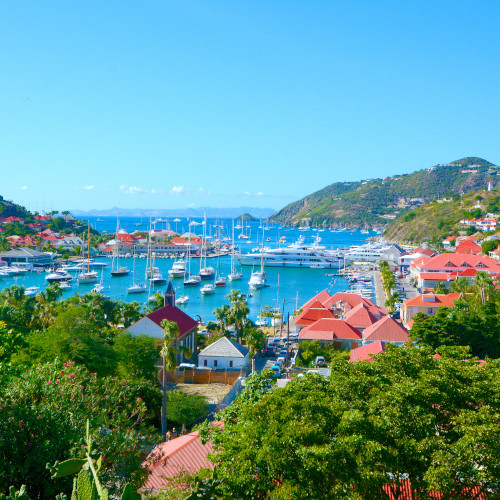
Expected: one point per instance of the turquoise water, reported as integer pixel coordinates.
(295, 285)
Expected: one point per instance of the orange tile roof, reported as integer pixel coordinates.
(454, 262)
(366, 352)
(440, 300)
(360, 316)
(329, 329)
(386, 329)
(309, 316)
(321, 297)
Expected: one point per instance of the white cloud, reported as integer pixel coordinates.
(24, 188)
(192, 205)
(124, 188)
(178, 190)
(89, 188)
(181, 190)
(253, 195)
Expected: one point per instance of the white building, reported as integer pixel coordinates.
(224, 354)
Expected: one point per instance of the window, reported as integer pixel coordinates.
(429, 311)
(205, 362)
(215, 363)
(230, 364)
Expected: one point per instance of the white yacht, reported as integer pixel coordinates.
(208, 289)
(178, 269)
(183, 299)
(58, 276)
(257, 280)
(371, 252)
(295, 256)
(137, 288)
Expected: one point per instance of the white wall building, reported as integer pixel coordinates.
(224, 354)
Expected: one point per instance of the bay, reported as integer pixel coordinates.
(296, 286)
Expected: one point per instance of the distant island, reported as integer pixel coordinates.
(247, 218)
(229, 213)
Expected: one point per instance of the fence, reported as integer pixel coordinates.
(231, 395)
(202, 377)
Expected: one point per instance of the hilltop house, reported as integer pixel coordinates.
(151, 324)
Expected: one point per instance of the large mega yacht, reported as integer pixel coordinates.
(298, 255)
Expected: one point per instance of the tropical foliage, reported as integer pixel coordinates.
(365, 431)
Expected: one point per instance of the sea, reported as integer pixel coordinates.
(288, 290)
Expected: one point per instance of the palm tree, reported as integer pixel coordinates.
(222, 314)
(483, 287)
(169, 361)
(461, 285)
(239, 310)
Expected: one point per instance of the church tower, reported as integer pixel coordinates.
(169, 297)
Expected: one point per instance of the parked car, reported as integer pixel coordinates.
(268, 351)
(319, 361)
(186, 366)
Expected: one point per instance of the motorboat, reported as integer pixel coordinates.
(183, 299)
(31, 291)
(208, 289)
(178, 269)
(64, 285)
(58, 276)
(257, 280)
(157, 279)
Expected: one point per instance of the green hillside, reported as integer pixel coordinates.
(11, 209)
(440, 219)
(375, 202)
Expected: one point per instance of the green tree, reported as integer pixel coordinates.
(239, 310)
(136, 355)
(367, 429)
(43, 411)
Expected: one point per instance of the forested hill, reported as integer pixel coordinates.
(11, 209)
(375, 202)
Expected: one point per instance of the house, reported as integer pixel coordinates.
(360, 317)
(151, 324)
(68, 243)
(393, 253)
(468, 246)
(428, 304)
(311, 315)
(27, 257)
(386, 330)
(406, 260)
(173, 459)
(332, 331)
(366, 352)
(224, 354)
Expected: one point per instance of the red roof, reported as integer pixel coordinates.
(329, 329)
(309, 316)
(173, 313)
(439, 300)
(386, 329)
(365, 352)
(360, 316)
(458, 262)
(321, 297)
(425, 251)
(182, 454)
(353, 299)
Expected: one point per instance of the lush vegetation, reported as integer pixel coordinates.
(438, 220)
(366, 202)
(365, 431)
(310, 350)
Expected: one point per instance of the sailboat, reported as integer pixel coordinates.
(116, 269)
(206, 272)
(189, 279)
(136, 287)
(234, 274)
(87, 276)
(258, 279)
(153, 273)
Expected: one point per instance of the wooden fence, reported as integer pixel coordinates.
(202, 377)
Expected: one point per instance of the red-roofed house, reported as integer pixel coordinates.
(309, 316)
(174, 458)
(468, 246)
(366, 352)
(332, 331)
(341, 303)
(12, 219)
(427, 304)
(386, 330)
(449, 267)
(151, 324)
(321, 297)
(360, 317)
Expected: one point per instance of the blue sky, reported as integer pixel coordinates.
(171, 104)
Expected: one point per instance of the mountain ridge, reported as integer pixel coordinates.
(374, 202)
